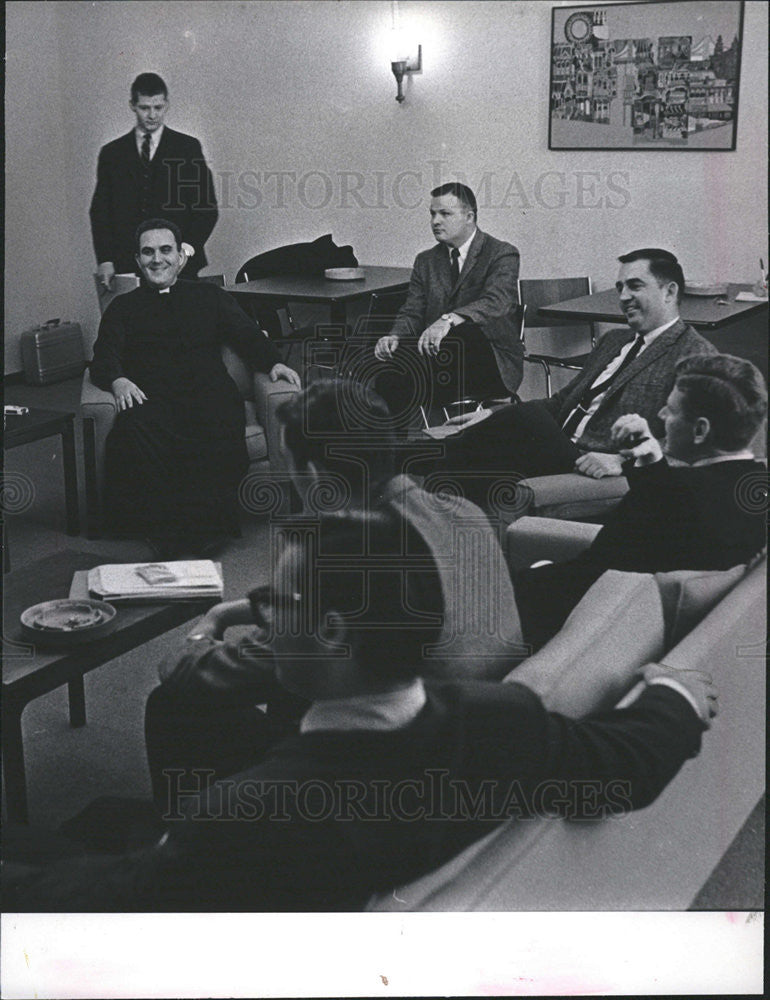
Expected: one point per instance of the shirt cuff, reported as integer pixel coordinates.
(676, 686)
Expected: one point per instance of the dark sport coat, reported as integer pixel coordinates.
(181, 190)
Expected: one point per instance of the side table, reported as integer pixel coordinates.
(38, 424)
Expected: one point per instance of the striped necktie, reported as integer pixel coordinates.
(145, 154)
(597, 389)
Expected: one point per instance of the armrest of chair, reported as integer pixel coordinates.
(571, 496)
(533, 538)
(267, 398)
(96, 403)
(98, 411)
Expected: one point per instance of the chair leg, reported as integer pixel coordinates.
(93, 518)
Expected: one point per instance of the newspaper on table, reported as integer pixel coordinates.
(156, 581)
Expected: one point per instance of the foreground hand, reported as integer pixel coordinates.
(430, 339)
(127, 393)
(598, 464)
(632, 436)
(697, 683)
(106, 272)
(221, 617)
(281, 371)
(385, 347)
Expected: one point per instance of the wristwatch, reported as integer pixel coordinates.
(197, 637)
(447, 317)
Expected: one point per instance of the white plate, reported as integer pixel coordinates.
(344, 273)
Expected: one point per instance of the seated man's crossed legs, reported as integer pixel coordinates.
(463, 367)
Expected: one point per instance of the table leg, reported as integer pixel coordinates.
(13, 765)
(70, 478)
(77, 699)
(338, 315)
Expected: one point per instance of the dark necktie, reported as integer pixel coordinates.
(145, 154)
(454, 255)
(592, 391)
(145, 158)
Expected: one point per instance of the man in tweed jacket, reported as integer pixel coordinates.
(458, 331)
(631, 370)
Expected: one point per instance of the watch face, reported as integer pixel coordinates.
(579, 27)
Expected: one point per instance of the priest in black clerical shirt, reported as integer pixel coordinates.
(177, 452)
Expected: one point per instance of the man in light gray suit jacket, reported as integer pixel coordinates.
(458, 328)
(629, 371)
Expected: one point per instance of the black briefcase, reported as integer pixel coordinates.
(52, 352)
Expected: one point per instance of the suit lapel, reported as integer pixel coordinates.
(660, 346)
(608, 348)
(165, 142)
(132, 159)
(473, 252)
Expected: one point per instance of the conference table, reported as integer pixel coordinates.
(733, 327)
(337, 295)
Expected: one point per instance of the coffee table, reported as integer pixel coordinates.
(38, 424)
(29, 671)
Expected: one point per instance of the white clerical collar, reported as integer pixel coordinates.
(386, 710)
(654, 334)
(736, 456)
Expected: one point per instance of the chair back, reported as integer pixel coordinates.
(382, 312)
(537, 292)
(120, 284)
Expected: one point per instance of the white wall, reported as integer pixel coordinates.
(305, 87)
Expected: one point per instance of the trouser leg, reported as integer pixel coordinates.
(192, 742)
(516, 441)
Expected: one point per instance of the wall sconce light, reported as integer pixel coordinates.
(402, 64)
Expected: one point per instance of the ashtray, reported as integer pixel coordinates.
(67, 622)
(705, 290)
(344, 273)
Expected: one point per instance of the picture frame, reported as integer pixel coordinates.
(652, 76)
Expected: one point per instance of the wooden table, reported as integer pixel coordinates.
(29, 672)
(322, 291)
(38, 424)
(735, 328)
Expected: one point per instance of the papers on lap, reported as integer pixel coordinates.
(158, 581)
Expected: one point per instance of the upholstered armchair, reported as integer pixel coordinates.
(261, 398)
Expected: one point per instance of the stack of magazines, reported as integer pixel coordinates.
(167, 581)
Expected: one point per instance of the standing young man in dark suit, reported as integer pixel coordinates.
(457, 332)
(629, 371)
(151, 172)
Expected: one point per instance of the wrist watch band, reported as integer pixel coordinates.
(447, 317)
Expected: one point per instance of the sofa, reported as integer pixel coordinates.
(657, 858)
(261, 397)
